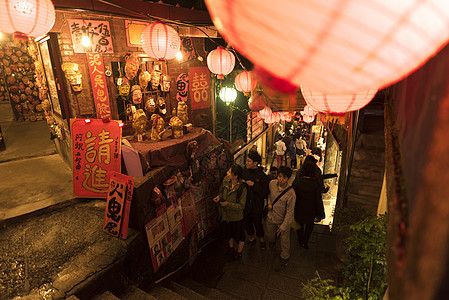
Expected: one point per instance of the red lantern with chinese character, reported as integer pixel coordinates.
(160, 41)
(27, 18)
(353, 45)
(338, 102)
(221, 62)
(245, 82)
(257, 102)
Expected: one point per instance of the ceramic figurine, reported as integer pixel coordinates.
(176, 127)
(182, 112)
(158, 127)
(140, 122)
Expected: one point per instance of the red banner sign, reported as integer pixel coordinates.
(99, 86)
(118, 205)
(96, 154)
(199, 87)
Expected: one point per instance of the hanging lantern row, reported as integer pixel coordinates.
(220, 62)
(337, 102)
(245, 82)
(27, 18)
(358, 46)
(160, 41)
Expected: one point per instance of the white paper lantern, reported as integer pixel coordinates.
(27, 18)
(334, 45)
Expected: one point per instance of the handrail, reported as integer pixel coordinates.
(250, 144)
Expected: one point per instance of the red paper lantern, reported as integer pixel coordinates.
(221, 62)
(334, 46)
(257, 102)
(160, 41)
(265, 112)
(337, 103)
(27, 18)
(245, 82)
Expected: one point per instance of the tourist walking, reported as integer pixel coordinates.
(280, 149)
(309, 203)
(232, 201)
(257, 185)
(281, 205)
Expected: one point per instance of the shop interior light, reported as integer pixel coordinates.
(85, 41)
(179, 55)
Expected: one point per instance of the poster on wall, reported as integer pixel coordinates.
(99, 86)
(182, 87)
(96, 154)
(53, 92)
(97, 32)
(159, 242)
(199, 87)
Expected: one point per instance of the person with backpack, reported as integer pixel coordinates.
(257, 184)
(281, 206)
(232, 202)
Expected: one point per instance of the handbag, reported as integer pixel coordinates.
(265, 209)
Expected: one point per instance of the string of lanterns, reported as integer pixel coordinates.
(353, 45)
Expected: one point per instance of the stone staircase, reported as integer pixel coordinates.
(368, 164)
(167, 290)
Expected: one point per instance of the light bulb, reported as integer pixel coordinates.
(179, 55)
(85, 41)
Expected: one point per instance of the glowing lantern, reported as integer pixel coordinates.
(228, 95)
(245, 82)
(308, 119)
(286, 116)
(257, 102)
(160, 41)
(353, 45)
(221, 62)
(27, 18)
(308, 110)
(337, 103)
(265, 112)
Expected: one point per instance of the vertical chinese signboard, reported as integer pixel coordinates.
(96, 154)
(98, 33)
(99, 87)
(199, 87)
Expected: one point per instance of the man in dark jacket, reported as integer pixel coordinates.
(257, 182)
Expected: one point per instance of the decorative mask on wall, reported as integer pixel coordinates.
(73, 75)
(155, 77)
(165, 83)
(150, 106)
(124, 87)
(132, 65)
(162, 110)
(136, 94)
(144, 78)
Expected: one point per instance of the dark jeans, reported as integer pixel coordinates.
(304, 233)
(254, 220)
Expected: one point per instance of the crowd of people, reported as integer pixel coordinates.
(256, 207)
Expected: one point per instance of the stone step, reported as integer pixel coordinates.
(183, 290)
(134, 293)
(104, 296)
(218, 295)
(162, 293)
(195, 286)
